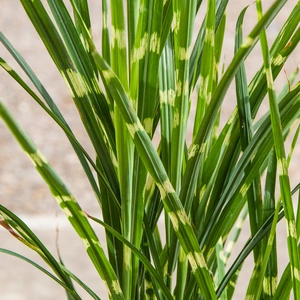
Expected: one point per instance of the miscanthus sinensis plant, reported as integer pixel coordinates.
(142, 80)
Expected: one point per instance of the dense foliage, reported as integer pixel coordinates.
(142, 82)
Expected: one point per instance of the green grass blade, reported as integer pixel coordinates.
(153, 244)
(105, 33)
(196, 54)
(258, 86)
(154, 165)
(207, 77)
(140, 255)
(207, 68)
(199, 145)
(219, 40)
(237, 184)
(181, 275)
(285, 285)
(270, 279)
(283, 45)
(83, 8)
(221, 264)
(39, 86)
(229, 249)
(282, 165)
(251, 243)
(87, 85)
(124, 143)
(246, 133)
(132, 20)
(290, 25)
(150, 52)
(167, 22)
(68, 204)
(166, 98)
(79, 91)
(257, 93)
(146, 54)
(184, 18)
(258, 275)
(184, 12)
(102, 137)
(65, 128)
(271, 276)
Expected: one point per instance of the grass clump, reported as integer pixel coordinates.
(142, 80)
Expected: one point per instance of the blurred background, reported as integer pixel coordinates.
(24, 192)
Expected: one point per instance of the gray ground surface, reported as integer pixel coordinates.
(21, 188)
